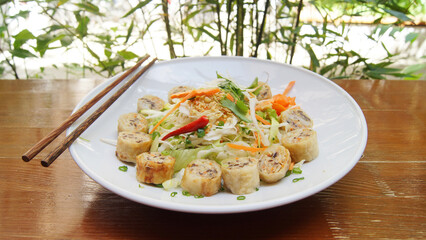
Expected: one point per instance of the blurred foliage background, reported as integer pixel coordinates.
(365, 39)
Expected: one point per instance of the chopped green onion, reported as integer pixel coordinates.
(159, 185)
(201, 133)
(298, 179)
(186, 193)
(241, 197)
(257, 189)
(166, 152)
(220, 123)
(140, 186)
(123, 168)
(173, 194)
(198, 196)
(297, 171)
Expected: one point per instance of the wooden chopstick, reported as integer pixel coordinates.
(86, 123)
(33, 151)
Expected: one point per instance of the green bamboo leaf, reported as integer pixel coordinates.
(90, 7)
(203, 30)
(327, 68)
(127, 54)
(411, 37)
(414, 68)
(22, 37)
(140, 5)
(23, 14)
(374, 75)
(107, 53)
(66, 41)
(314, 59)
(93, 53)
(190, 16)
(22, 53)
(397, 14)
(4, 1)
(129, 32)
(82, 24)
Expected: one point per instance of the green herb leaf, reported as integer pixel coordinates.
(254, 84)
(233, 107)
(140, 5)
(230, 87)
(201, 133)
(242, 106)
(155, 135)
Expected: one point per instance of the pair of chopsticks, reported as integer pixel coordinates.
(31, 153)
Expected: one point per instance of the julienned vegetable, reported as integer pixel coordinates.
(190, 127)
(246, 132)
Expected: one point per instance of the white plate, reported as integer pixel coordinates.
(338, 120)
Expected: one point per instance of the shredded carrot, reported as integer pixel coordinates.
(291, 166)
(278, 108)
(257, 140)
(288, 88)
(190, 95)
(241, 147)
(262, 120)
(230, 97)
(197, 92)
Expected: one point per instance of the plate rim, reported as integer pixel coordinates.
(243, 207)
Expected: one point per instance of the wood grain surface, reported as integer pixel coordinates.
(382, 197)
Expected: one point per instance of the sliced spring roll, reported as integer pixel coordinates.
(131, 144)
(265, 91)
(302, 144)
(132, 122)
(202, 177)
(240, 175)
(274, 163)
(296, 118)
(150, 102)
(154, 168)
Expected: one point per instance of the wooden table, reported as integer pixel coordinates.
(382, 197)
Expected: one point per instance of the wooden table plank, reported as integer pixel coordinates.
(382, 197)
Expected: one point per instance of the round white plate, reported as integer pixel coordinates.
(338, 120)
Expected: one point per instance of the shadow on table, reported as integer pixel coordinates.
(120, 218)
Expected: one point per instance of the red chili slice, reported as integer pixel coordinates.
(190, 127)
